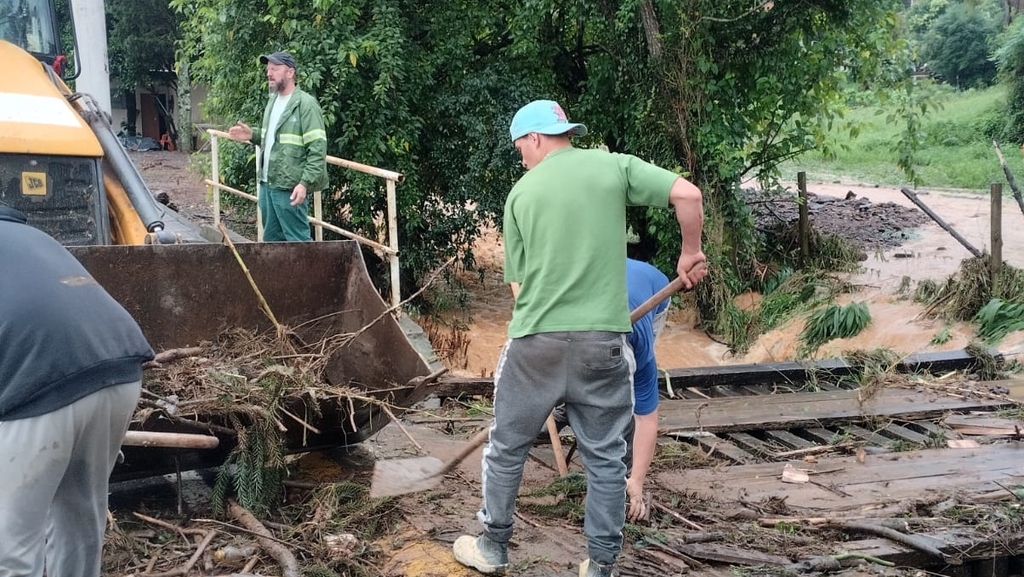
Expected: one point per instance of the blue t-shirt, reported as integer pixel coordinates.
(642, 282)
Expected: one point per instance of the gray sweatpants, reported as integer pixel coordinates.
(54, 472)
(591, 372)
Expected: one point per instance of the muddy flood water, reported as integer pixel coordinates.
(897, 324)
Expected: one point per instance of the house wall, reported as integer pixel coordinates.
(147, 121)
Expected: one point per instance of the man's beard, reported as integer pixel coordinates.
(277, 86)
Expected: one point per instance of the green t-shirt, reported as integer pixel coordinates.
(565, 239)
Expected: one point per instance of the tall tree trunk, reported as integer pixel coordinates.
(651, 29)
(184, 107)
(131, 113)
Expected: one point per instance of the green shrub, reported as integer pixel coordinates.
(833, 322)
(998, 319)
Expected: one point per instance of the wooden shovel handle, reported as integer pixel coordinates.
(173, 440)
(649, 304)
(669, 290)
(466, 451)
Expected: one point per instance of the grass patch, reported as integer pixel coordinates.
(679, 455)
(956, 153)
(561, 499)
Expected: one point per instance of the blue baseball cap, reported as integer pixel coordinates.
(543, 117)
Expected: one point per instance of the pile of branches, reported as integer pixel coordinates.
(327, 529)
(251, 387)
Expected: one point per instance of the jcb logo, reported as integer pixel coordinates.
(33, 183)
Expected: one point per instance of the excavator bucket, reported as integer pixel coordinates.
(184, 294)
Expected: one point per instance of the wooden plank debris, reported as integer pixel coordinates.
(984, 425)
(893, 478)
(904, 434)
(813, 409)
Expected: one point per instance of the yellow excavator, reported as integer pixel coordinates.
(63, 166)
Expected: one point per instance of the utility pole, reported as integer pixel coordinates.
(90, 23)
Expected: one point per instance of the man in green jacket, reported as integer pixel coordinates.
(294, 144)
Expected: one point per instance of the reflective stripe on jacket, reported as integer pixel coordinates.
(300, 144)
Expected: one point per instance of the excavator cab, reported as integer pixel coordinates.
(31, 25)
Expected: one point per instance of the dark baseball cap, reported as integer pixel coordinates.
(279, 58)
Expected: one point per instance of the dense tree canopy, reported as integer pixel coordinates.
(717, 89)
(141, 36)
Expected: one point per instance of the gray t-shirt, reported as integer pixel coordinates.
(280, 103)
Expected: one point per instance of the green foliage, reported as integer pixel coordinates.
(425, 93)
(955, 148)
(833, 322)
(962, 295)
(943, 336)
(1009, 57)
(254, 469)
(957, 46)
(998, 318)
(714, 89)
(141, 55)
(563, 498)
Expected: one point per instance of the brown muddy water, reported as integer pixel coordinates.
(898, 325)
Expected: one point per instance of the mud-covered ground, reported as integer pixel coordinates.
(866, 224)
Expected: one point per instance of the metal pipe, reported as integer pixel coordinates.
(139, 194)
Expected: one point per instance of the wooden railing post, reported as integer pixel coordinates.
(396, 285)
(259, 213)
(318, 214)
(215, 170)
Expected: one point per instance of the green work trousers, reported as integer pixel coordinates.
(282, 221)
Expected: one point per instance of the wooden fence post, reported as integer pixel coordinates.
(996, 258)
(804, 224)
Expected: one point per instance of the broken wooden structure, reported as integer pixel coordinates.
(915, 472)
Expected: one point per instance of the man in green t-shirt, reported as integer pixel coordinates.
(565, 258)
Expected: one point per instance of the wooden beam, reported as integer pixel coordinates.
(746, 374)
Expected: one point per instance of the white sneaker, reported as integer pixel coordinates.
(482, 554)
(588, 569)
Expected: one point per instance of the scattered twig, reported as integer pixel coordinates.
(912, 541)
(304, 424)
(163, 403)
(832, 490)
(675, 515)
(252, 283)
(864, 556)
(172, 355)
(273, 547)
(251, 532)
(526, 519)
(1009, 490)
(430, 280)
(815, 450)
(184, 570)
(183, 532)
(401, 427)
